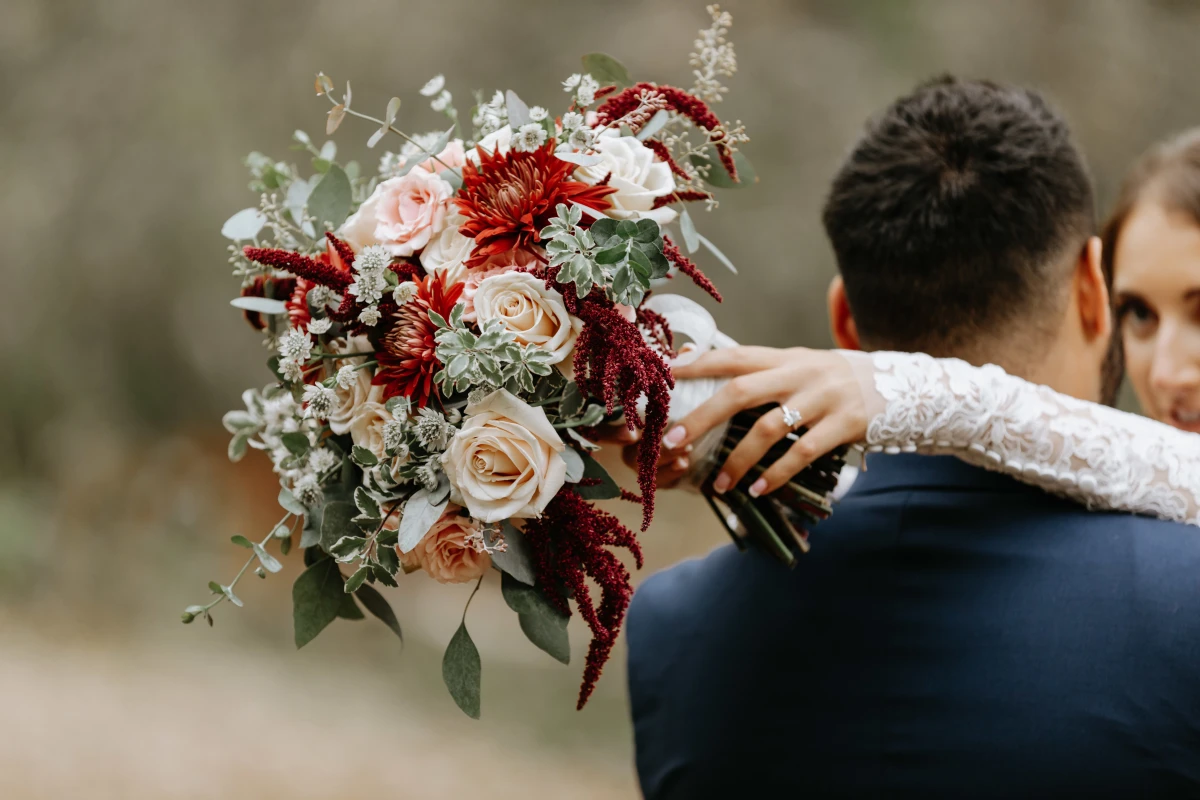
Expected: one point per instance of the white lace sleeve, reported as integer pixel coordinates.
(1097, 455)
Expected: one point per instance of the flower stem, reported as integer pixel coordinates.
(399, 133)
(253, 557)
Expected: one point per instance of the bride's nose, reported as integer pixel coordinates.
(1176, 365)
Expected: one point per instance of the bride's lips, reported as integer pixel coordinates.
(1185, 419)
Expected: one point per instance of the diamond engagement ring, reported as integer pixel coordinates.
(791, 417)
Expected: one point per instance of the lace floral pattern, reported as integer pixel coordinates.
(1094, 454)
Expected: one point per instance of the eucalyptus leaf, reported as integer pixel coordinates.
(719, 177)
(586, 444)
(462, 671)
(349, 609)
(261, 305)
(289, 503)
(268, 561)
(420, 514)
(518, 112)
(605, 490)
(656, 123)
(574, 463)
(244, 225)
(241, 541)
(316, 598)
(542, 623)
(297, 443)
(336, 523)
(393, 108)
(517, 559)
(330, 198)
(378, 606)
(606, 69)
(712, 248)
(691, 239)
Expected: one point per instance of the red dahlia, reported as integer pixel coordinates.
(509, 198)
(406, 353)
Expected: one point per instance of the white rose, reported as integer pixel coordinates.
(497, 142)
(361, 391)
(636, 175)
(402, 214)
(537, 315)
(446, 253)
(504, 462)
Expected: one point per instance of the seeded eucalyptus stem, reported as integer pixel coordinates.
(253, 557)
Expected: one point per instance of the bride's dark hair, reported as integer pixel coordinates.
(953, 215)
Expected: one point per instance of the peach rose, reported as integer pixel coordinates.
(402, 214)
(453, 157)
(536, 314)
(504, 462)
(444, 552)
(360, 392)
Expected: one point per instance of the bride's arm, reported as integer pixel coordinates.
(1094, 454)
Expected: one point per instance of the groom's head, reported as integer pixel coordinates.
(963, 226)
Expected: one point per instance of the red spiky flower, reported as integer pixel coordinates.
(509, 198)
(406, 353)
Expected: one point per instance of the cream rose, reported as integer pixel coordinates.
(402, 214)
(637, 176)
(504, 462)
(444, 552)
(366, 427)
(446, 253)
(361, 391)
(537, 315)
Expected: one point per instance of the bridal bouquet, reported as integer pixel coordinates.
(450, 333)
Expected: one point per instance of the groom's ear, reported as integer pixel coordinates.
(1091, 292)
(841, 320)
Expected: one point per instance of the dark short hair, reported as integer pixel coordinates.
(951, 216)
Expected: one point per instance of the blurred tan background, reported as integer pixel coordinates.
(123, 125)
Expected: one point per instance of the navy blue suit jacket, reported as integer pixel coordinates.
(952, 634)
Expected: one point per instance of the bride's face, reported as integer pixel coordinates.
(1157, 289)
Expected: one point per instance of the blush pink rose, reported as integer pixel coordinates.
(453, 157)
(402, 215)
(444, 552)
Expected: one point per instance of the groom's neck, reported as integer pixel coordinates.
(1061, 368)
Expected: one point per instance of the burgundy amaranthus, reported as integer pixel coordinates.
(569, 543)
(689, 268)
(677, 100)
(613, 362)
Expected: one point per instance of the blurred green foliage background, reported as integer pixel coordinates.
(122, 129)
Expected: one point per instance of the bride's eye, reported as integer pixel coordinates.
(1136, 318)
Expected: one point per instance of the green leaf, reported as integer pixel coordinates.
(355, 581)
(241, 541)
(419, 515)
(605, 490)
(611, 255)
(347, 546)
(691, 239)
(462, 671)
(336, 523)
(518, 112)
(330, 198)
(289, 503)
(648, 231)
(574, 464)
(215, 587)
(387, 558)
(543, 624)
(517, 559)
(627, 229)
(349, 609)
(316, 598)
(603, 230)
(712, 248)
(297, 443)
(238, 445)
(719, 177)
(244, 225)
(606, 69)
(656, 123)
(366, 504)
(378, 606)
(269, 562)
(259, 305)
(572, 401)
(363, 457)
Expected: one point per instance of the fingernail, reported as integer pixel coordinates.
(681, 463)
(721, 483)
(688, 449)
(674, 437)
(758, 487)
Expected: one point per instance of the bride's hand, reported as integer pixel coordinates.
(823, 386)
